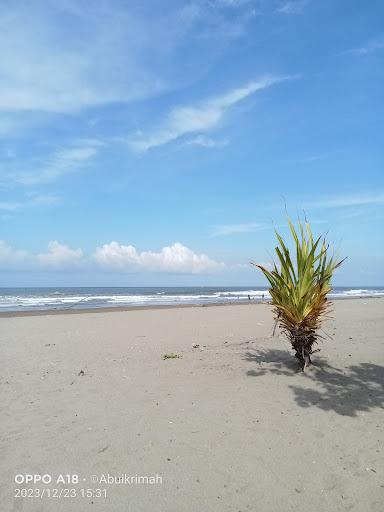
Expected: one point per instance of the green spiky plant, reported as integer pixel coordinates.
(299, 288)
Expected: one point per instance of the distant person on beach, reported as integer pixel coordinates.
(262, 296)
(249, 297)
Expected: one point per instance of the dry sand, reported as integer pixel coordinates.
(232, 427)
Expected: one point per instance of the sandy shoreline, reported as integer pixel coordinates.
(230, 426)
(117, 309)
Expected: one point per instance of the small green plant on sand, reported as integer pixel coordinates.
(300, 282)
(172, 355)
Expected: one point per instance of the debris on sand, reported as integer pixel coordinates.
(80, 374)
(172, 355)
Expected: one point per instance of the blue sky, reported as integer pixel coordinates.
(156, 143)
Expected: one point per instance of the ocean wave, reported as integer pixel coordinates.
(357, 293)
(66, 300)
(62, 302)
(242, 293)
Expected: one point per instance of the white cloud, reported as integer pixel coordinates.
(198, 118)
(112, 256)
(9, 256)
(60, 255)
(235, 229)
(175, 258)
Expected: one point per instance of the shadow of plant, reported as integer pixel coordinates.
(279, 362)
(355, 388)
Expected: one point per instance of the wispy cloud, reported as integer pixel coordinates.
(43, 68)
(206, 142)
(62, 162)
(310, 159)
(11, 206)
(29, 202)
(104, 52)
(347, 201)
(232, 3)
(8, 126)
(370, 47)
(200, 118)
(293, 7)
(24, 182)
(235, 229)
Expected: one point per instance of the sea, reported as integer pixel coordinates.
(55, 298)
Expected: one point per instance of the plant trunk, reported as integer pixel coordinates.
(302, 345)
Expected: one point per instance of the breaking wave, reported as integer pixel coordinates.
(17, 299)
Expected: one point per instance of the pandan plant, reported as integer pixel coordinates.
(299, 287)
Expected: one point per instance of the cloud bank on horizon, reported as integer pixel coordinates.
(199, 122)
(111, 256)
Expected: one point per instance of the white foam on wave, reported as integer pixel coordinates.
(46, 302)
(357, 293)
(55, 301)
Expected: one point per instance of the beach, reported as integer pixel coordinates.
(229, 425)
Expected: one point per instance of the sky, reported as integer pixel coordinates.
(147, 143)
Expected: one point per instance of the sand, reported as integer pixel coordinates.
(229, 426)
